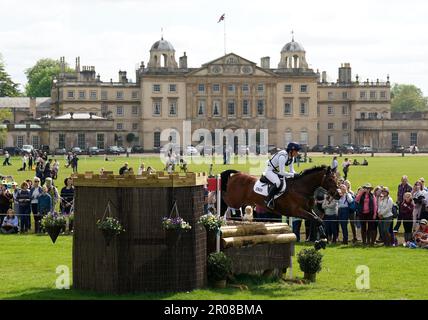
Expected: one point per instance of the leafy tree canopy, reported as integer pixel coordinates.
(407, 98)
(8, 88)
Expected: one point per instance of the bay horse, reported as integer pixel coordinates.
(297, 201)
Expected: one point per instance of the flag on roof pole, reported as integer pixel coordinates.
(221, 18)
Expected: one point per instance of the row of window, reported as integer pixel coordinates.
(331, 126)
(396, 142)
(34, 139)
(120, 126)
(120, 111)
(93, 95)
(363, 95)
(288, 88)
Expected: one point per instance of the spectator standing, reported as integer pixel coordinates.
(67, 201)
(311, 229)
(5, 202)
(385, 215)
(53, 192)
(35, 193)
(419, 200)
(30, 162)
(343, 213)
(406, 215)
(74, 162)
(6, 159)
(330, 207)
(10, 223)
(55, 169)
(352, 213)
(24, 162)
(346, 164)
(123, 169)
(403, 188)
(24, 201)
(367, 209)
(44, 206)
(334, 164)
(141, 169)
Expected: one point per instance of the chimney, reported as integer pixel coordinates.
(33, 107)
(345, 73)
(122, 77)
(62, 64)
(182, 64)
(324, 76)
(265, 62)
(77, 64)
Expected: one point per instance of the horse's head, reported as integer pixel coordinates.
(330, 183)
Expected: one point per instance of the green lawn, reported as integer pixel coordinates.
(28, 262)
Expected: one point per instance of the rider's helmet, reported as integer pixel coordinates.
(293, 146)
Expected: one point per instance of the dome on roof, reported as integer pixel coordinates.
(162, 45)
(293, 46)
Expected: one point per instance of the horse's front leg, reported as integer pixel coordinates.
(319, 244)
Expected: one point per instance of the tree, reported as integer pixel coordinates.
(130, 137)
(5, 114)
(407, 98)
(40, 77)
(8, 88)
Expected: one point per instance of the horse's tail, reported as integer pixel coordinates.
(225, 175)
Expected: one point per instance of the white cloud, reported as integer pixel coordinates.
(376, 37)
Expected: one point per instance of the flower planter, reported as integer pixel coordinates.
(211, 241)
(108, 235)
(220, 284)
(311, 277)
(53, 232)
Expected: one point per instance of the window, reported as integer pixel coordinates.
(134, 95)
(172, 88)
(362, 94)
(36, 142)
(216, 108)
(304, 137)
(70, 94)
(81, 141)
(288, 88)
(304, 88)
(394, 139)
(372, 115)
(330, 110)
(288, 111)
(363, 115)
(119, 111)
(156, 88)
(303, 109)
(288, 137)
(245, 88)
(413, 138)
(372, 94)
(104, 109)
(346, 138)
(103, 95)
(245, 107)
(135, 126)
(345, 110)
(330, 96)
(345, 126)
(119, 126)
(331, 126)
(19, 141)
(61, 140)
(260, 87)
(173, 108)
(157, 108)
(119, 95)
(231, 108)
(201, 87)
(201, 108)
(135, 110)
(345, 95)
(82, 95)
(383, 94)
(156, 139)
(93, 95)
(330, 140)
(260, 107)
(231, 88)
(100, 140)
(216, 87)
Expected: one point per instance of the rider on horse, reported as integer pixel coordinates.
(276, 167)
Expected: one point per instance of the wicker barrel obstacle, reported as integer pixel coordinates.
(141, 259)
(258, 248)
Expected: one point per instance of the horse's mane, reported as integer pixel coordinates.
(310, 171)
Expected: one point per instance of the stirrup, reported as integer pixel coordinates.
(270, 204)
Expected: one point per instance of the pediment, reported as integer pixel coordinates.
(231, 65)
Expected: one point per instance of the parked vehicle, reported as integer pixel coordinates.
(243, 149)
(366, 149)
(398, 149)
(13, 151)
(60, 151)
(113, 150)
(347, 149)
(76, 150)
(121, 149)
(331, 150)
(137, 149)
(26, 148)
(93, 151)
(318, 148)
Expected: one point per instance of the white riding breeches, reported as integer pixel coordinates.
(273, 177)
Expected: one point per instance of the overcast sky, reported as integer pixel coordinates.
(377, 37)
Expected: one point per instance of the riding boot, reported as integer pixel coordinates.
(269, 201)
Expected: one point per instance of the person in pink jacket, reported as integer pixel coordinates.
(367, 213)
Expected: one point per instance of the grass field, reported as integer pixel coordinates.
(29, 262)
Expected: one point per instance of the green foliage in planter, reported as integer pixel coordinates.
(310, 260)
(211, 222)
(219, 266)
(51, 220)
(110, 224)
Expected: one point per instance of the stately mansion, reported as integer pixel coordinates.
(291, 100)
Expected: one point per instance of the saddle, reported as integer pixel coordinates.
(265, 180)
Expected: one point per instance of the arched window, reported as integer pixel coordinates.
(156, 139)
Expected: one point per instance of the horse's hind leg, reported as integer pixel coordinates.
(319, 244)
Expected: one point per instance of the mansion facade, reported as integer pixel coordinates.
(292, 101)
